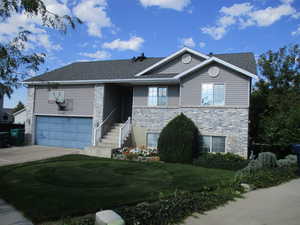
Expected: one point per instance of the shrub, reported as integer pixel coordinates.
(288, 161)
(253, 166)
(226, 161)
(266, 171)
(179, 141)
(267, 159)
(268, 177)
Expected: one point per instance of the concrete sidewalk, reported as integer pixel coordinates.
(272, 206)
(10, 216)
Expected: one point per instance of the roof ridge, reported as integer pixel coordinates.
(234, 53)
(113, 60)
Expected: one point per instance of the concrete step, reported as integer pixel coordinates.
(97, 151)
(111, 135)
(110, 139)
(107, 145)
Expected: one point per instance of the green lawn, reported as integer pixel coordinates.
(77, 185)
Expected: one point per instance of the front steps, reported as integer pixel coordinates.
(108, 142)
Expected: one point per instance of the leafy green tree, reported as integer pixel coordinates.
(15, 62)
(275, 101)
(18, 107)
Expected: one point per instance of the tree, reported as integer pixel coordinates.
(15, 62)
(18, 107)
(275, 101)
(179, 141)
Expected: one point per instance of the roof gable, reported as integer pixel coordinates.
(172, 57)
(220, 61)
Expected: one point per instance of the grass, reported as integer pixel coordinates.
(77, 185)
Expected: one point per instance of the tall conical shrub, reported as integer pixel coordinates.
(179, 141)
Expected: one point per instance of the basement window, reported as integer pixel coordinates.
(152, 140)
(212, 143)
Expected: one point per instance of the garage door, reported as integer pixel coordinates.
(68, 132)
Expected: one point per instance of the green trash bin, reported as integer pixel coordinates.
(17, 137)
(4, 139)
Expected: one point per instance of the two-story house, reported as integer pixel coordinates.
(102, 103)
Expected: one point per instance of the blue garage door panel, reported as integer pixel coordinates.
(68, 132)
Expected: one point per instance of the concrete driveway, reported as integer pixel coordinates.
(15, 155)
(278, 205)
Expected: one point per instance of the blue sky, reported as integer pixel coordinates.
(115, 29)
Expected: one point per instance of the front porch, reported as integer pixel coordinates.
(112, 130)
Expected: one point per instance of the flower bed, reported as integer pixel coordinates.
(136, 154)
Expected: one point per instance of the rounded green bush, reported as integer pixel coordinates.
(179, 141)
(268, 159)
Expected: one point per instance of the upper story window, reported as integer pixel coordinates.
(213, 94)
(157, 96)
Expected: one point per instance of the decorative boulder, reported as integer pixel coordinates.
(108, 217)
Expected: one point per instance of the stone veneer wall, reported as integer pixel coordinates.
(229, 122)
(98, 106)
(30, 119)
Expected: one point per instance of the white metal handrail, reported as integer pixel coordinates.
(124, 131)
(98, 129)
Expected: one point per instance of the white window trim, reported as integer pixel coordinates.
(211, 137)
(157, 105)
(213, 105)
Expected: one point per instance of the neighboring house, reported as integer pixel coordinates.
(7, 115)
(89, 103)
(20, 116)
(1, 107)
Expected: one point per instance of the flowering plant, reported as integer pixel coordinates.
(138, 151)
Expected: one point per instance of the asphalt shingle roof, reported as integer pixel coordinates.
(126, 69)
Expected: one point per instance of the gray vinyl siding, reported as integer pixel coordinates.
(80, 100)
(236, 86)
(176, 66)
(140, 95)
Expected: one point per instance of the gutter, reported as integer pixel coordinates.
(135, 81)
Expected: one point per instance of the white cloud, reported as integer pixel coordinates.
(178, 5)
(134, 44)
(216, 32)
(202, 44)
(93, 13)
(287, 1)
(188, 42)
(296, 32)
(96, 55)
(57, 8)
(237, 9)
(39, 37)
(270, 15)
(245, 14)
(43, 41)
